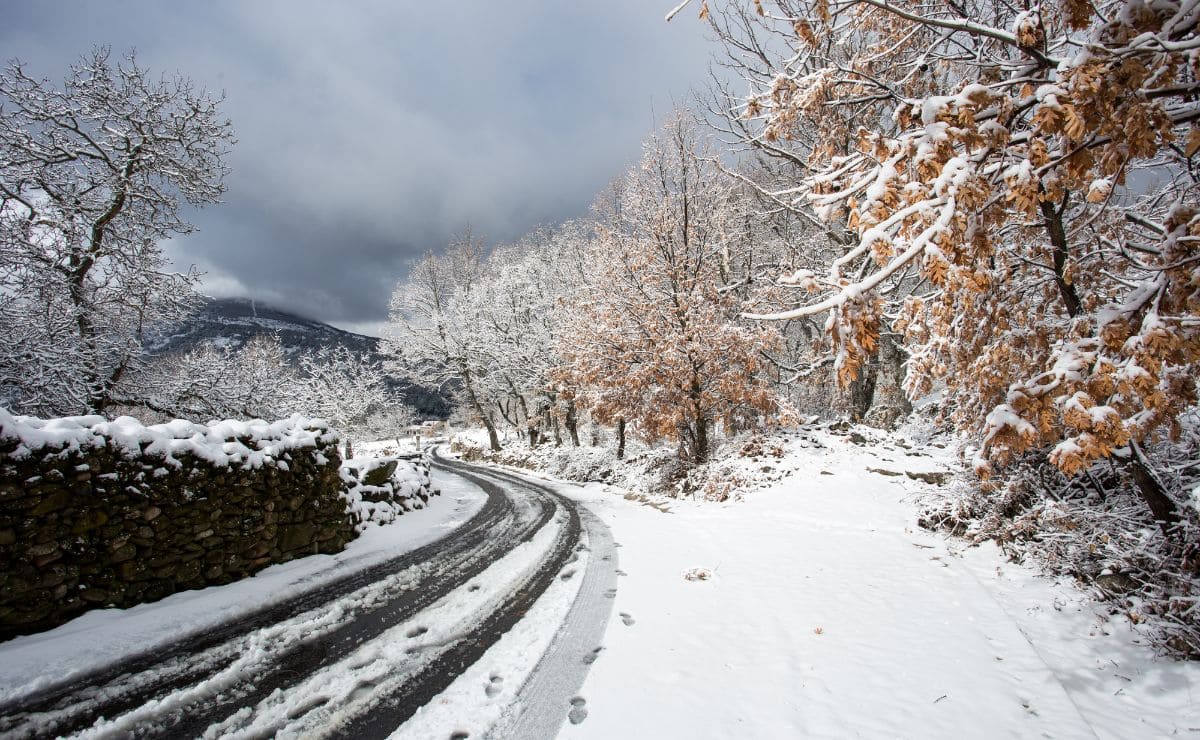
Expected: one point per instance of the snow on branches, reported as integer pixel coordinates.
(1035, 170)
(93, 175)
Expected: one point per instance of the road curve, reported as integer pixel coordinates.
(204, 683)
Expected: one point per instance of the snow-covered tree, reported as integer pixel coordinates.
(341, 387)
(657, 345)
(755, 46)
(1035, 166)
(435, 337)
(254, 381)
(523, 296)
(390, 420)
(93, 175)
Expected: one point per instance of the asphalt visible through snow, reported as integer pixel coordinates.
(262, 674)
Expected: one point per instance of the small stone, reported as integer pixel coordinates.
(123, 553)
(89, 520)
(43, 549)
(94, 595)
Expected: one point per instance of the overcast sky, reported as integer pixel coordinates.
(369, 132)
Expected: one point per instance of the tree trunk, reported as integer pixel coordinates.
(892, 358)
(1151, 491)
(493, 438)
(1058, 240)
(572, 423)
(862, 388)
(621, 438)
(349, 449)
(700, 450)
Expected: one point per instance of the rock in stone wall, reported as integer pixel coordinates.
(107, 516)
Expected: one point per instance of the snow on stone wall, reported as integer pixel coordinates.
(97, 513)
(379, 489)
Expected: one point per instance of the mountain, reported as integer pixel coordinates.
(231, 322)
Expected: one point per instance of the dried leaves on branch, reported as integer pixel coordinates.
(1036, 168)
(659, 344)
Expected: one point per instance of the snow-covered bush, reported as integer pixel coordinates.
(739, 464)
(379, 489)
(1095, 528)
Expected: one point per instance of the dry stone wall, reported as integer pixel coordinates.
(96, 513)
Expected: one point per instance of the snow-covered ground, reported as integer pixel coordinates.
(828, 613)
(100, 637)
(813, 608)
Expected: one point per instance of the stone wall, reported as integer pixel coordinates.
(97, 514)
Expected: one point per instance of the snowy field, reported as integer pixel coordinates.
(828, 613)
(100, 637)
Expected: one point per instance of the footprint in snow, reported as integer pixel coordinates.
(460, 735)
(626, 619)
(610, 593)
(591, 657)
(578, 711)
(494, 686)
(416, 632)
(622, 573)
(566, 575)
(361, 689)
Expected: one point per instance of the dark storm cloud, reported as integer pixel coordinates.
(369, 132)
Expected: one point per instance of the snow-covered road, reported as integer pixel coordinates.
(357, 654)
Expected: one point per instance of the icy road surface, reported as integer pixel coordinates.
(498, 620)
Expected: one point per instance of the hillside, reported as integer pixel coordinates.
(231, 322)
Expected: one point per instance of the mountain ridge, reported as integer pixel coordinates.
(231, 322)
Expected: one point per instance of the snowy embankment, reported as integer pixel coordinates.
(102, 637)
(817, 608)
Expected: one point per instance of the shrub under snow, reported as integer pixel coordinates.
(1095, 528)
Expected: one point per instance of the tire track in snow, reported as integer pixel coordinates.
(74, 705)
(550, 695)
(472, 556)
(210, 682)
(382, 719)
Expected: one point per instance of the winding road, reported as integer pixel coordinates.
(359, 656)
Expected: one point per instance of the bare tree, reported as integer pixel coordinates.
(93, 175)
(342, 387)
